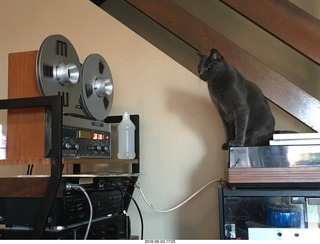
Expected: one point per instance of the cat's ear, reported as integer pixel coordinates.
(215, 55)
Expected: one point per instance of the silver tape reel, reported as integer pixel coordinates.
(58, 71)
(96, 87)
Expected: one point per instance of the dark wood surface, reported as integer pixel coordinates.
(284, 20)
(23, 187)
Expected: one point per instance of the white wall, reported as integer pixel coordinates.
(180, 130)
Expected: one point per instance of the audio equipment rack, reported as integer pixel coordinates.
(58, 113)
(54, 104)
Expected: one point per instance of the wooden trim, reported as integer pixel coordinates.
(287, 22)
(273, 175)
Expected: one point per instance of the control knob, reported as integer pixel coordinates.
(94, 148)
(69, 146)
(105, 148)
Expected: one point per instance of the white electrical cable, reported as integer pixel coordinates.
(179, 205)
(71, 186)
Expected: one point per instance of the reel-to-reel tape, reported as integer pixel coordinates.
(87, 93)
(85, 89)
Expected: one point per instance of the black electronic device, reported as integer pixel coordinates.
(269, 214)
(115, 227)
(65, 211)
(70, 209)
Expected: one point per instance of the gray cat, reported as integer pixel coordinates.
(243, 108)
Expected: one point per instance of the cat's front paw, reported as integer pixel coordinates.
(235, 144)
(225, 146)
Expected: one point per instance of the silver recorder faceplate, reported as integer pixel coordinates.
(83, 138)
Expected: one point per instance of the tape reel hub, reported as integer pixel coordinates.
(103, 88)
(67, 73)
(97, 87)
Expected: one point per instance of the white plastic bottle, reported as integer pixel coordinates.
(3, 143)
(126, 138)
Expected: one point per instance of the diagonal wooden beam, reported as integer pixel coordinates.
(202, 37)
(285, 21)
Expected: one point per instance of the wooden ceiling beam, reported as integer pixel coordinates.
(200, 36)
(285, 21)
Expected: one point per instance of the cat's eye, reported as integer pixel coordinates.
(208, 67)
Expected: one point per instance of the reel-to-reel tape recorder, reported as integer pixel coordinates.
(86, 88)
(87, 94)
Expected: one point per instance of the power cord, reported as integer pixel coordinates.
(70, 187)
(117, 187)
(179, 205)
(140, 214)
